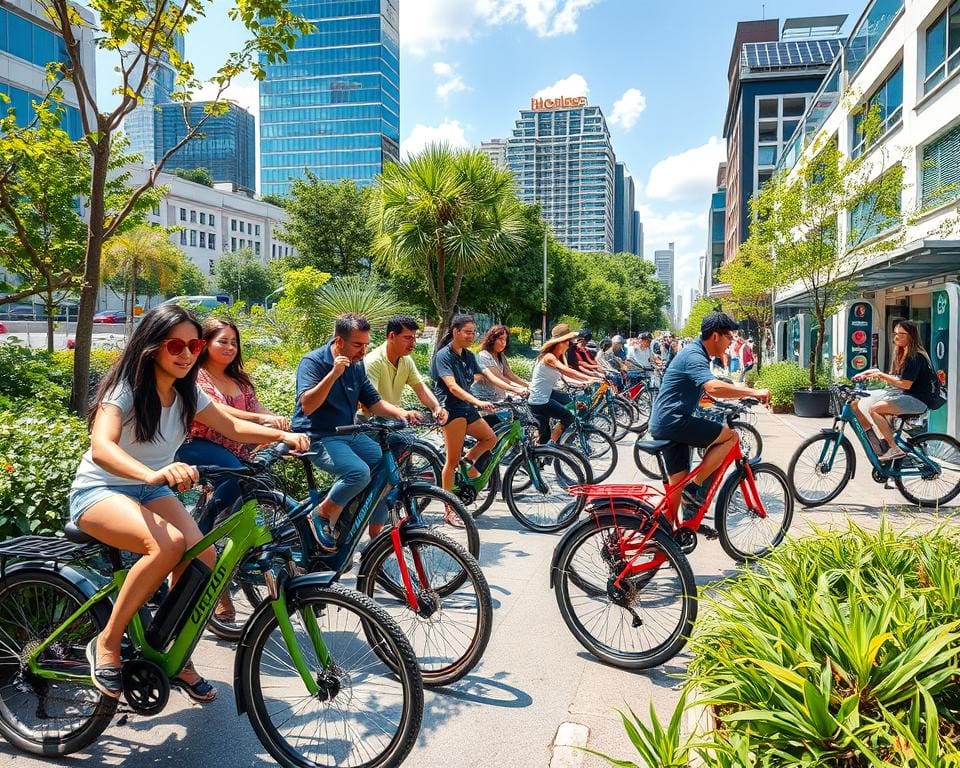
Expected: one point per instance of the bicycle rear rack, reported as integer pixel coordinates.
(613, 490)
(53, 549)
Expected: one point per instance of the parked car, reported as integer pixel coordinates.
(204, 303)
(110, 316)
(3, 328)
(18, 311)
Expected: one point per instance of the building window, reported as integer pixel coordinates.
(888, 98)
(767, 155)
(203, 239)
(233, 243)
(183, 214)
(183, 237)
(210, 265)
(233, 225)
(257, 230)
(212, 241)
(243, 243)
(256, 247)
(942, 49)
(872, 217)
(940, 171)
(156, 210)
(767, 131)
(203, 217)
(767, 108)
(193, 238)
(193, 217)
(213, 220)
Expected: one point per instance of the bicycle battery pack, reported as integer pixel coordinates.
(175, 609)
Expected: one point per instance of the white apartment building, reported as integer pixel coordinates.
(905, 56)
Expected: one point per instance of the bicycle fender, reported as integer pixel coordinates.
(75, 577)
(290, 587)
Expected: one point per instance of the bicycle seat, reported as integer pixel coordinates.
(74, 534)
(653, 447)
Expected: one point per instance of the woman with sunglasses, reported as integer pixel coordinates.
(123, 493)
(498, 378)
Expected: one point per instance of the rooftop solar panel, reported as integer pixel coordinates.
(791, 53)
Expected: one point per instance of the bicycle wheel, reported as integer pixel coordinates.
(431, 506)
(814, 478)
(40, 716)
(931, 489)
(744, 533)
(648, 618)
(598, 448)
(367, 712)
(622, 419)
(545, 503)
(646, 462)
(751, 444)
(421, 464)
(451, 629)
(247, 589)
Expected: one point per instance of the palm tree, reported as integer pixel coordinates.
(444, 214)
(142, 253)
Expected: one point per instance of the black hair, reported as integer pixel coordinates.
(717, 322)
(135, 369)
(646, 335)
(212, 326)
(491, 336)
(457, 323)
(399, 323)
(349, 322)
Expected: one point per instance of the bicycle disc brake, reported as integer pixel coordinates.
(145, 686)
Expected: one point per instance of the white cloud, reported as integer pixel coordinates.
(691, 175)
(686, 228)
(627, 109)
(574, 85)
(244, 94)
(427, 25)
(449, 132)
(450, 80)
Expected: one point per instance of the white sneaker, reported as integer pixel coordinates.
(891, 454)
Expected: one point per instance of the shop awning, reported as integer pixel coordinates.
(912, 263)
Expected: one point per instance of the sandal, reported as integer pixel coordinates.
(225, 612)
(454, 521)
(200, 690)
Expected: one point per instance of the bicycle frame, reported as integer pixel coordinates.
(243, 531)
(505, 441)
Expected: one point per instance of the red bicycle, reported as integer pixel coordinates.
(621, 577)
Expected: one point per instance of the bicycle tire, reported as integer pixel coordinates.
(369, 685)
(574, 472)
(32, 601)
(422, 464)
(433, 513)
(461, 602)
(583, 434)
(646, 463)
(643, 653)
(751, 443)
(950, 444)
(799, 466)
(731, 507)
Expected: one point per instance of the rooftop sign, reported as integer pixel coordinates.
(561, 102)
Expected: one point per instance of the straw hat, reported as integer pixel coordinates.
(558, 334)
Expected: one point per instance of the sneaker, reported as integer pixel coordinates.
(323, 534)
(693, 496)
(891, 455)
(107, 679)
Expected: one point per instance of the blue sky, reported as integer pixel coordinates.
(657, 68)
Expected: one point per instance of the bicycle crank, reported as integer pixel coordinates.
(145, 686)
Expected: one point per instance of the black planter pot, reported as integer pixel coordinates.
(811, 403)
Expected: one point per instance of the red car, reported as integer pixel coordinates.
(3, 328)
(110, 316)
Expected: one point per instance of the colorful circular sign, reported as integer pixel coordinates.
(859, 362)
(859, 337)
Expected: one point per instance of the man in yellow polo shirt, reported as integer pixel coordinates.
(390, 367)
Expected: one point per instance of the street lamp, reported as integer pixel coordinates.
(543, 307)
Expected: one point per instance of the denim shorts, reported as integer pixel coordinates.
(81, 499)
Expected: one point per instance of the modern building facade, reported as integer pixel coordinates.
(226, 147)
(561, 157)
(625, 236)
(663, 262)
(772, 77)
(28, 42)
(902, 57)
(333, 107)
(637, 233)
(140, 124)
(712, 259)
(496, 150)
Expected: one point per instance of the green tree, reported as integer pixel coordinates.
(445, 214)
(328, 226)
(752, 276)
(42, 235)
(142, 258)
(243, 276)
(190, 282)
(196, 175)
(700, 309)
(141, 33)
(278, 200)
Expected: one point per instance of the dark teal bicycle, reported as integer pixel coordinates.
(928, 475)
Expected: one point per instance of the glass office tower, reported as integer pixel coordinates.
(227, 149)
(563, 159)
(333, 108)
(139, 124)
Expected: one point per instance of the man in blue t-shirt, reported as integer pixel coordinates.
(330, 382)
(673, 419)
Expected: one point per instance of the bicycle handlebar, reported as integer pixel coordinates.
(384, 425)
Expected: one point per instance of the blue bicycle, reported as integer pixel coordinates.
(928, 475)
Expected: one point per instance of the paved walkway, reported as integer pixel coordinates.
(534, 683)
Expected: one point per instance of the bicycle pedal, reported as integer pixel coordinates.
(708, 532)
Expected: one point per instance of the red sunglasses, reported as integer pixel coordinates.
(175, 347)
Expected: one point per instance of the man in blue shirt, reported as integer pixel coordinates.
(673, 419)
(330, 382)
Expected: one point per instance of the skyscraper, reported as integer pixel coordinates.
(637, 235)
(333, 107)
(139, 125)
(623, 219)
(227, 149)
(561, 157)
(496, 150)
(663, 261)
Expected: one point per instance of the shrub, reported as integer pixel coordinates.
(521, 335)
(40, 449)
(29, 374)
(783, 379)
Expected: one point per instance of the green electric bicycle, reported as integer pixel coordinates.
(324, 675)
